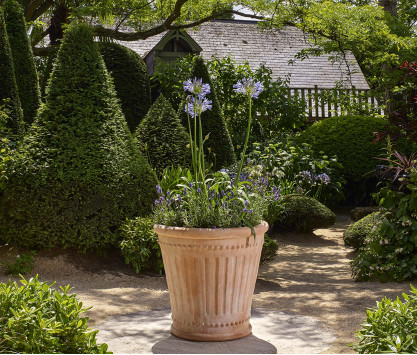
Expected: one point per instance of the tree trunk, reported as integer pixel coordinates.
(59, 17)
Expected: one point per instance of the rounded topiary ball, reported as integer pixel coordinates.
(355, 235)
(304, 214)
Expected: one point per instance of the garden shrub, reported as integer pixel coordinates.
(131, 81)
(161, 136)
(390, 250)
(218, 148)
(355, 235)
(391, 327)
(360, 212)
(35, 319)
(46, 71)
(304, 214)
(269, 249)
(139, 245)
(9, 97)
(297, 168)
(79, 173)
(23, 264)
(350, 138)
(24, 64)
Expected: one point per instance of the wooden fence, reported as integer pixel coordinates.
(323, 103)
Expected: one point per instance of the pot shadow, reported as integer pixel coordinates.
(247, 345)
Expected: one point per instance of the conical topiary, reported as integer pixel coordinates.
(131, 81)
(79, 173)
(162, 137)
(24, 64)
(9, 97)
(218, 148)
(130, 78)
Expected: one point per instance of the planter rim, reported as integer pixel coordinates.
(211, 233)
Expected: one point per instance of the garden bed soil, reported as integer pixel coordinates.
(309, 276)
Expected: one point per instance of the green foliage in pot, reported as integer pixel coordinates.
(269, 249)
(162, 137)
(390, 250)
(304, 214)
(35, 319)
(351, 139)
(79, 173)
(355, 235)
(24, 64)
(139, 245)
(9, 96)
(131, 81)
(391, 327)
(218, 147)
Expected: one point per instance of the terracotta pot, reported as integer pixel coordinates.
(211, 275)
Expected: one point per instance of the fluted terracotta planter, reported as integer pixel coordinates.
(211, 275)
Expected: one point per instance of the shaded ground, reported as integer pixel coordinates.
(309, 276)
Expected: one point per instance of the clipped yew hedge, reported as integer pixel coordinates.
(218, 148)
(79, 173)
(161, 136)
(9, 97)
(24, 64)
(131, 81)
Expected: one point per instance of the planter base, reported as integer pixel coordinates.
(218, 334)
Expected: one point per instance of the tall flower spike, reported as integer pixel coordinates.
(249, 86)
(197, 87)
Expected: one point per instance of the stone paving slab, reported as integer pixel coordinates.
(273, 332)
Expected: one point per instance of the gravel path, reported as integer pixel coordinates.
(310, 276)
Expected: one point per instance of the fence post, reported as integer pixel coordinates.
(316, 101)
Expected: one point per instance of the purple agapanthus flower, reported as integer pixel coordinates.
(158, 189)
(197, 107)
(249, 86)
(197, 87)
(324, 178)
(306, 175)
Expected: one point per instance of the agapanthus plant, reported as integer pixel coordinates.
(219, 200)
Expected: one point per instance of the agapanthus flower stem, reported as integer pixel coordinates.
(246, 140)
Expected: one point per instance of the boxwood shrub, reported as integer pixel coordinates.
(35, 319)
(354, 236)
(161, 136)
(24, 64)
(218, 148)
(304, 214)
(79, 173)
(9, 96)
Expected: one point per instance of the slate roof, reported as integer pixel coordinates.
(243, 40)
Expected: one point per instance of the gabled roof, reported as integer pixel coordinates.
(243, 40)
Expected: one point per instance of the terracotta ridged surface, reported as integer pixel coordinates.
(211, 275)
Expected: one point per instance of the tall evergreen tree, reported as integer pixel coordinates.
(24, 64)
(9, 97)
(80, 173)
(218, 148)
